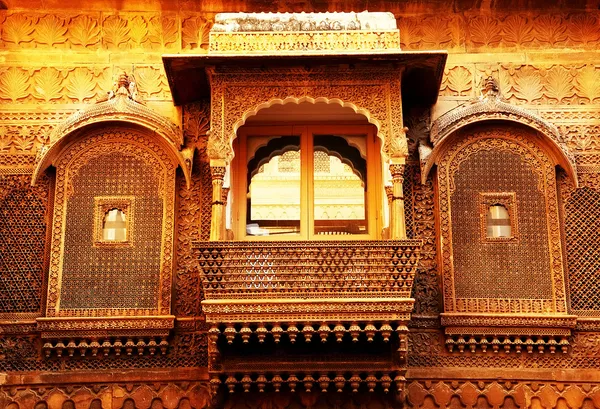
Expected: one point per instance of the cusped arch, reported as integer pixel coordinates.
(489, 110)
(120, 111)
(299, 100)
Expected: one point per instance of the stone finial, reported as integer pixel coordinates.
(124, 87)
(490, 88)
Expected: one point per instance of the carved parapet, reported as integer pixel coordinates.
(275, 33)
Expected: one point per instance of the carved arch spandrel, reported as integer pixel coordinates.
(517, 141)
(374, 94)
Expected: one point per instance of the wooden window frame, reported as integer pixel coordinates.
(103, 204)
(374, 196)
(509, 201)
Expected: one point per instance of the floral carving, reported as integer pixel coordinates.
(149, 80)
(517, 31)
(484, 31)
(437, 32)
(116, 31)
(50, 30)
(80, 84)
(48, 84)
(549, 29)
(14, 84)
(587, 82)
(84, 31)
(194, 32)
(459, 80)
(17, 29)
(162, 31)
(583, 29)
(559, 84)
(528, 86)
(138, 31)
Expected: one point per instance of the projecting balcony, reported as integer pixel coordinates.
(356, 286)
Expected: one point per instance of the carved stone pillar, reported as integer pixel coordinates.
(397, 221)
(217, 222)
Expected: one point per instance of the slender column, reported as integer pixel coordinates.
(397, 221)
(217, 221)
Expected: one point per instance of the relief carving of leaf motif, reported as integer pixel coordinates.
(17, 29)
(436, 32)
(81, 84)
(47, 84)
(23, 143)
(14, 84)
(528, 86)
(484, 31)
(195, 32)
(583, 29)
(517, 31)
(549, 29)
(84, 31)
(409, 32)
(459, 80)
(559, 84)
(50, 30)
(138, 30)
(116, 31)
(149, 80)
(587, 83)
(162, 31)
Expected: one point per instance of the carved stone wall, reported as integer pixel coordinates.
(57, 58)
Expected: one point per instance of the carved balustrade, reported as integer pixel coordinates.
(317, 281)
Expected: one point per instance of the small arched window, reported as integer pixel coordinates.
(498, 222)
(113, 221)
(114, 225)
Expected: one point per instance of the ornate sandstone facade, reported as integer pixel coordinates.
(128, 278)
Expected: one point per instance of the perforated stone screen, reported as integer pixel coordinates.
(516, 269)
(22, 239)
(582, 221)
(112, 277)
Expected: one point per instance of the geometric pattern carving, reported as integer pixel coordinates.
(22, 236)
(582, 218)
(515, 143)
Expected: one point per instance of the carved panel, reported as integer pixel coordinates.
(244, 92)
(581, 209)
(134, 395)
(23, 221)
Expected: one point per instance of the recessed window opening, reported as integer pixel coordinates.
(498, 221)
(114, 225)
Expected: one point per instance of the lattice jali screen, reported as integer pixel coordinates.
(108, 277)
(22, 238)
(90, 279)
(523, 274)
(497, 270)
(582, 221)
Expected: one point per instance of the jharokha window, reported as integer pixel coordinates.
(498, 217)
(305, 182)
(113, 221)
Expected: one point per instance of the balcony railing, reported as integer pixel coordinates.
(305, 281)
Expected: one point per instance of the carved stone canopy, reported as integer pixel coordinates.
(492, 106)
(121, 105)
